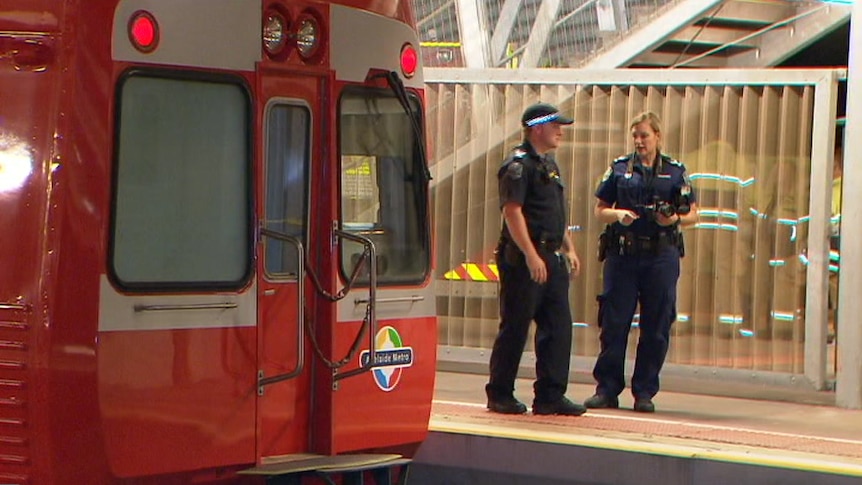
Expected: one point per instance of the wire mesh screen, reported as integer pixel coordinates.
(563, 33)
(747, 148)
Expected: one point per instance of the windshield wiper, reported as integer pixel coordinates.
(397, 87)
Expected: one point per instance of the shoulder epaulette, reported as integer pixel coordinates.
(624, 158)
(672, 161)
(519, 153)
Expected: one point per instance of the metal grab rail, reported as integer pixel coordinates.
(300, 322)
(14, 307)
(369, 322)
(398, 299)
(185, 306)
(371, 313)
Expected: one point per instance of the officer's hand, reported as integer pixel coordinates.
(666, 221)
(538, 269)
(574, 264)
(625, 216)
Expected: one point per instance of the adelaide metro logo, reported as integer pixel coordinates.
(390, 357)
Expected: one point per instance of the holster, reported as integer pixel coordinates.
(600, 301)
(604, 244)
(680, 243)
(509, 253)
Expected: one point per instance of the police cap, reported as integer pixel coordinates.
(544, 113)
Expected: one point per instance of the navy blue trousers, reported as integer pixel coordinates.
(522, 300)
(649, 280)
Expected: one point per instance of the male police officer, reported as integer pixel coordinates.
(535, 258)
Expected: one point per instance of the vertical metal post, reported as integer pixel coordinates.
(817, 275)
(474, 35)
(849, 332)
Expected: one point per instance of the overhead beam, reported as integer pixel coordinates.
(503, 30)
(664, 59)
(759, 12)
(542, 27)
(694, 34)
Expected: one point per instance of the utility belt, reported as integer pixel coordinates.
(509, 251)
(542, 244)
(548, 246)
(630, 244)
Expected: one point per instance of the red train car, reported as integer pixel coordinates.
(216, 244)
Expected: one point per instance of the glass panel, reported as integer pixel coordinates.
(287, 165)
(383, 185)
(182, 198)
(741, 296)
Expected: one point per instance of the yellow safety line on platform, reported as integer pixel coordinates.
(750, 455)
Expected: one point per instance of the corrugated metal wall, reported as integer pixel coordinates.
(747, 147)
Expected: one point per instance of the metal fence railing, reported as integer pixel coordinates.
(752, 295)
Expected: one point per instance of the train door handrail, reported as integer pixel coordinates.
(369, 323)
(300, 327)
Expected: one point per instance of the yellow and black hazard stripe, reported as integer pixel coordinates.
(473, 272)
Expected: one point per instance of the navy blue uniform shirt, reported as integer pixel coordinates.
(631, 185)
(534, 182)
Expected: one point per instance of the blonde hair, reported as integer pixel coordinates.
(648, 116)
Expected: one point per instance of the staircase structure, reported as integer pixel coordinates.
(603, 34)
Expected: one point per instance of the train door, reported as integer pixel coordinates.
(383, 395)
(286, 127)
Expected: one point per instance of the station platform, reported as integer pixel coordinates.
(693, 438)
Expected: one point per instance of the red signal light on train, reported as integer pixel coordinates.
(144, 31)
(409, 60)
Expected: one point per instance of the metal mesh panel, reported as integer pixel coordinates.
(743, 283)
(440, 37)
(578, 29)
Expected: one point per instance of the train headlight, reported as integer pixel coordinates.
(144, 31)
(274, 33)
(409, 60)
(307, 37)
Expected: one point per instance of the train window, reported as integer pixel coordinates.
(182, 200)
(383, 185)
(288, 134)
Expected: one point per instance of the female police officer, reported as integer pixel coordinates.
(644, 198)
(533, 256)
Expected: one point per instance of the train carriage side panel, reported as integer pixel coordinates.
(30, 80)
(177, 356)
(129, 300)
